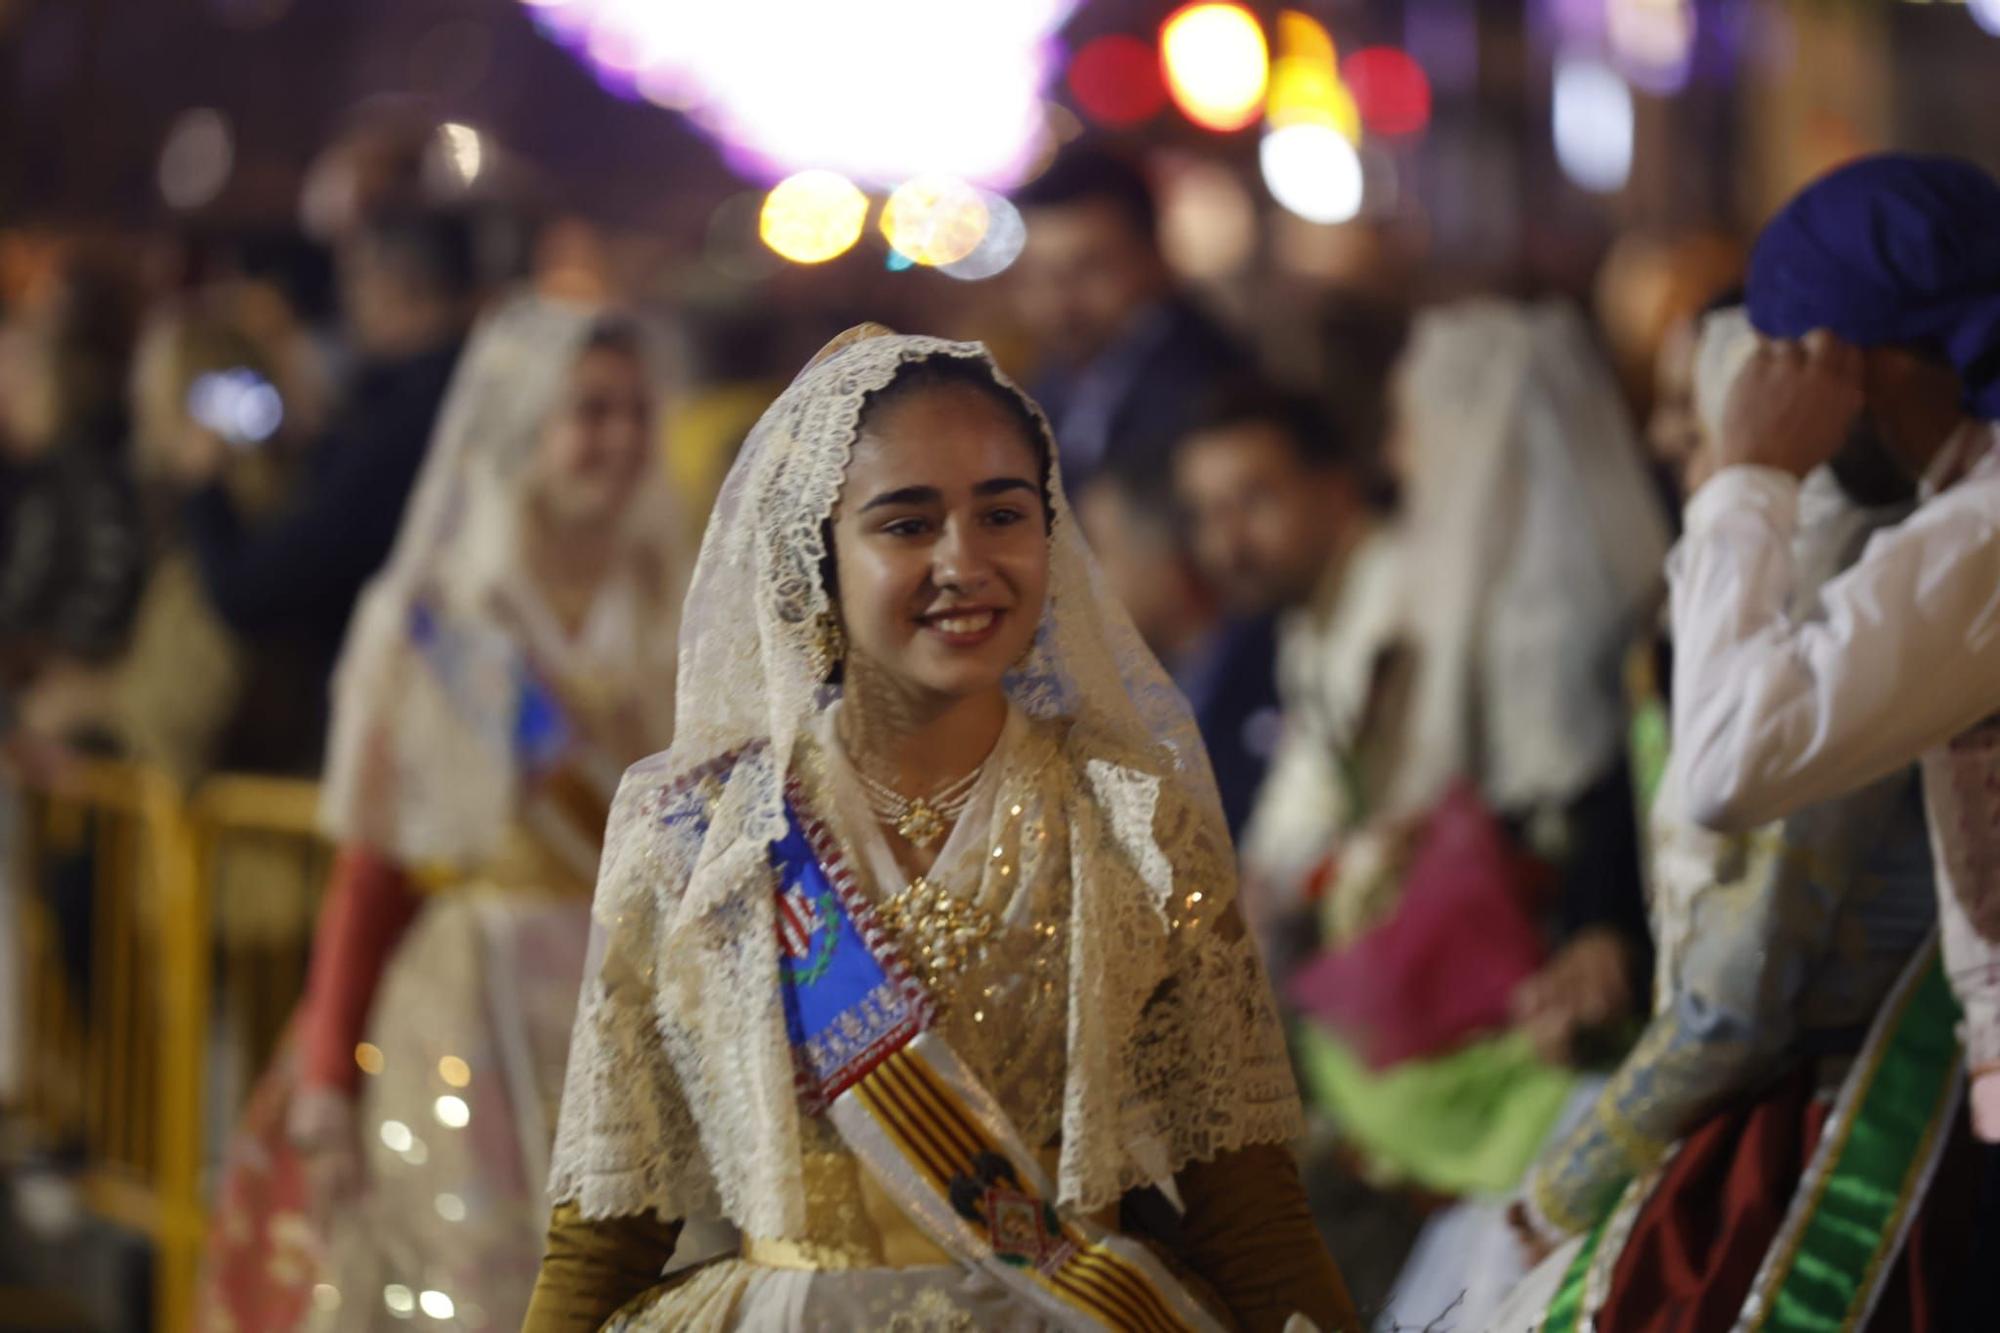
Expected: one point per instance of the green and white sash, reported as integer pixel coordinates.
(1852, 1211)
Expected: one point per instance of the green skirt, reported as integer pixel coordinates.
(1470, 1122)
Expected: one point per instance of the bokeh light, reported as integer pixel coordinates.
(1304, 38)
(934, 220)
(1306, 88)
(813, 217)
(1652, 41)
(1313, 171)
(402, 1302)
(437, 1305)
(452, 1112)
(668, 88)
(454, 1071)
(238, 405)
(1006, 236)
(1217, 64)
(196, 159)
(1986, 13)
(464, 151)
(1391, 89)
(1062, 125)
(1116, 81)
(1593, 124)
(1578, 24)
(879, 93)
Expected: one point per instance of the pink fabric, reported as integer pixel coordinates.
(1444, 967)
(263, 1259)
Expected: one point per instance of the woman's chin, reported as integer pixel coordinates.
(958, 681)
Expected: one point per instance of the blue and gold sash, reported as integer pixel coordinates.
(932, 1136)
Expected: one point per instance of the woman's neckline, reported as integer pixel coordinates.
(866, 829)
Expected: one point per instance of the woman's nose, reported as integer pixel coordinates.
(957, 561)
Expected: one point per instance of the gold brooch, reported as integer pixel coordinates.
(942, 933)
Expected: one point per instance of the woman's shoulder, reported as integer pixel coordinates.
(677, 792)
(1150, 796)
(1096, 756)
(660, 822)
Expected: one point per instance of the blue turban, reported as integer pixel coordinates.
(1892, 250)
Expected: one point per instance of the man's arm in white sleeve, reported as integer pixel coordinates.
(1772, 714)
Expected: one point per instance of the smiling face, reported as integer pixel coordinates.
(593, 449)
(941, 542)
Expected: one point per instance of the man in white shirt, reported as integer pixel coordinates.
(1281, 524)
(1877, 292)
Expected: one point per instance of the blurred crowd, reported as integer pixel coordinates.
(208, 455)
(1414, 596)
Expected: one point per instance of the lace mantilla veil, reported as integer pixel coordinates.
(420, 767)
(1537, 546)
(681, 1097)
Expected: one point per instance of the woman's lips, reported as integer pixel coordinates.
(964, 627)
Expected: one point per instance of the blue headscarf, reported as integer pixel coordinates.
(1891, 250)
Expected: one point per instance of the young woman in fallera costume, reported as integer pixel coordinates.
(919, 975)
(513, 656)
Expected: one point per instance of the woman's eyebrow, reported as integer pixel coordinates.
(922, 495)
(907, 495)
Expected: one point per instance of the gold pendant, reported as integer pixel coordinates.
(921, 825)
(942, 935)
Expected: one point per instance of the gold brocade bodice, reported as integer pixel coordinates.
(987, 933)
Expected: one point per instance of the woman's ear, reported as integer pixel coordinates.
(828, 646)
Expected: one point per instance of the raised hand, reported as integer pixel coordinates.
(1792, 405)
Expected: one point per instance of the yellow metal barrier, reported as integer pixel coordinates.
(165, 942)
(263, 865)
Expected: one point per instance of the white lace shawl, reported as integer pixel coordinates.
(681, 1096)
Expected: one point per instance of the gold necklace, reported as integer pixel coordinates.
(921, 820)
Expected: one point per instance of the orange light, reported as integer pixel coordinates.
(1217, 65)
(1303, 37)
(1305, 81)
(813, 217)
